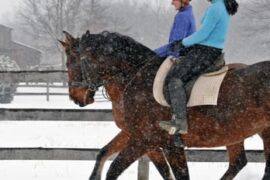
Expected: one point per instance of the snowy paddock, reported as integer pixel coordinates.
(80, 170)
(88, 135)
(66, 134)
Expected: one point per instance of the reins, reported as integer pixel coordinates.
(93, 86)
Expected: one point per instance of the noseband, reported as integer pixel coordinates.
(82, 78)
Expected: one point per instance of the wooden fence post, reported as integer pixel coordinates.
(143, 168)
(47, 91)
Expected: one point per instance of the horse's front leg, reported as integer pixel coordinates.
(157, 157)
(114, 146)
(177, 160)
(133, 151)
(237, 160)
(265, 135)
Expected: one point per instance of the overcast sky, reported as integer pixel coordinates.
(7, 7)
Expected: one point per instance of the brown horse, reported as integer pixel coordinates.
(75, 94)
(115, 89)
(79, 89)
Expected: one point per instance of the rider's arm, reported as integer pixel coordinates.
(162, 51)
(181, 26)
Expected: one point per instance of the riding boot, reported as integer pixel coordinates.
(178, 123)
(178, 104)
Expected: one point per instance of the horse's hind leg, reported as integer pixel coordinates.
(114, 146)
(131, 152)
(177, 160)
(237, 160)
(265, 135)
(157, 157)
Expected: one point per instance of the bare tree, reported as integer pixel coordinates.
(120, 17)
(94, 15)
(149, 21)
(248, 37)
(48, 18)
(256, 19)
(159, 10)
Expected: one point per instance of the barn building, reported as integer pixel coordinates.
(24, 55)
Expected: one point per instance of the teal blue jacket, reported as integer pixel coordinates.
(213, 29)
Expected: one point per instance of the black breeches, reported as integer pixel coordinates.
(196, 62)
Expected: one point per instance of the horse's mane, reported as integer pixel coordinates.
(117, 46)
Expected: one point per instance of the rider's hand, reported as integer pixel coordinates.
(179, 47)
(176, 45)
(173, 59)
(173, 46)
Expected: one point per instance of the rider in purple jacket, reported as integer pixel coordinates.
(183, 26)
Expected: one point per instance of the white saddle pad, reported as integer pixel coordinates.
(204, 92)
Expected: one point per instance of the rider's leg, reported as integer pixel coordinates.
(195, 63)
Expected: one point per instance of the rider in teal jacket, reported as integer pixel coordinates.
(213, 29)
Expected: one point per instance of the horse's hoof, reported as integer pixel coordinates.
(94, 178)
(266, 176)
(227, 177)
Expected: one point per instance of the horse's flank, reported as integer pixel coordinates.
(219, 125)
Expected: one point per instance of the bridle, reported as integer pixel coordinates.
(78, 79)
(92, 85)
(82, 76)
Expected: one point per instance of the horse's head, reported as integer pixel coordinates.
(78, 87)
(101, 58)
(104, 58)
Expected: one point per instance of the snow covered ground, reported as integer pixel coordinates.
(80, 170)
(84, 135)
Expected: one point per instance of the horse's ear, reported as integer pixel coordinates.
(69, 37)
(87, 33)
(65, 45)
(85, 37)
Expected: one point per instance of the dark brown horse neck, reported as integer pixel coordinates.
(116, 86)
(115, 90)
(237, 115)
